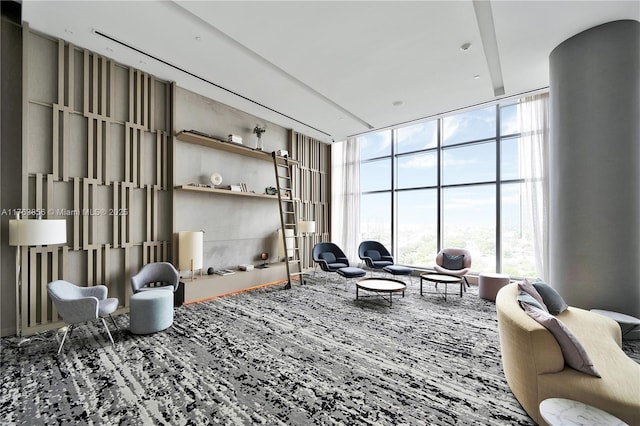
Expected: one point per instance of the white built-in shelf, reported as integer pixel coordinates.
(197, 138)
(223, 191)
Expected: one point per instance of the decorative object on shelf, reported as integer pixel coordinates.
(190, 251)
(216, 179)
(259, 131)
(210, 271)
(234, 139)
(246, 267)
(270, 190)
(32, 232)
(264, 256)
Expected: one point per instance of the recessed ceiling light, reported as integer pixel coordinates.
(477, 76)
(197, 38)
(397, 103)
(465, 47)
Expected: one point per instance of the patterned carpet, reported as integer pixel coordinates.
(309, 355)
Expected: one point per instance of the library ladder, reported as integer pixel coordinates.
(290, 239)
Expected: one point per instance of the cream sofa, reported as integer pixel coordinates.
(535, 368)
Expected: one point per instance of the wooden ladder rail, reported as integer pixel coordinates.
(288, 215)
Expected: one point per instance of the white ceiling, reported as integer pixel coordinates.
(330, 69)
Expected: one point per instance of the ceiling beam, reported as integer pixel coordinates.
(484, 17)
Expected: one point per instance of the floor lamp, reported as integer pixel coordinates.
(306, 227)
(32, 232)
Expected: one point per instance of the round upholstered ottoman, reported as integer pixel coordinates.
(151, 311)
(490, 283)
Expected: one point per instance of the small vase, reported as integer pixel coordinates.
(259, 143)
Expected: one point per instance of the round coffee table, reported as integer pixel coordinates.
(380, 286)
(441, 279)
(561, 411)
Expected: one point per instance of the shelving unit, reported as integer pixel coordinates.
(216, 285)
(211, 286)
(223, 191)
(197, 138)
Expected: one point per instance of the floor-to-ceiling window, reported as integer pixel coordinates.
(450, 182)
(376, 187)
(416, 201)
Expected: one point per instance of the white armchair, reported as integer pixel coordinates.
(81, 304)
(454, 261)
(162, 274)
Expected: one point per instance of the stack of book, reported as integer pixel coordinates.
(234, 139)
(241, 187)
(246, 267)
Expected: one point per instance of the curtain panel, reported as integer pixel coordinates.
(345, 196)
(534, 166)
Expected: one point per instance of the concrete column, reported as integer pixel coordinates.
(595, 168)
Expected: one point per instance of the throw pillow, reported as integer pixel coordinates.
(452, 262)
(572, 350)
(527, 287)
(328, 257)
(525, 298)
(373, 254)
(551, 298)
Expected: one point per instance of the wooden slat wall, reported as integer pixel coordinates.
(100, 199)
(312, 187)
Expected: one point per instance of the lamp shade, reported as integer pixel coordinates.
(37, 232)
(307, 226)
(290, 235)
(190, 247)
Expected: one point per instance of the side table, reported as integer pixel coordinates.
(561, 411)
(441, 279)
(627, 322)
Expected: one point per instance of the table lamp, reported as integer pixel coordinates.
(190, 251)
(289, 235)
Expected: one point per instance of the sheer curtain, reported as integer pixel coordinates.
(345, 196)
(534, 166)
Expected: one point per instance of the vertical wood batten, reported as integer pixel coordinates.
(145, 102)
(32, 286)
(99, 149)
(61, 62)
(103, 88)
(94, 85)
(76, 217)
(44, 279)
(55, 275)
(90, 145)
(115, 219)
(71, 89)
